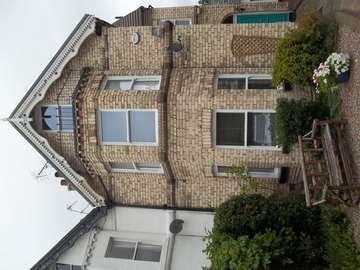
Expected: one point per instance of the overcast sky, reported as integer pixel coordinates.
(33, 211)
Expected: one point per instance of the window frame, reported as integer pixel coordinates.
(136, 242)
(58, 118)
(133, 80)
(136, 168)
(243, 76)
(275, 174)
(128, 142)
(176, 19)
(71, 266)
(245, 146)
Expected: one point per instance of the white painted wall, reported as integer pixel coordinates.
(150, 226)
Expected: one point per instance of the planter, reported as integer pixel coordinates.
(343, 77)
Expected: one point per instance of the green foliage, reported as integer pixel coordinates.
(295, 117)
(257, 217)
(300, 51)
(250, 182)
(279, 232)
(340, 251)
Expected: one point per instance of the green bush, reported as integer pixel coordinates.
(340, 251)
(279, 232)
(301, 50)
(295, 117)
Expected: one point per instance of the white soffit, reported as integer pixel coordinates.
(20, 118)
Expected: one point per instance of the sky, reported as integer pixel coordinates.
(34, 213)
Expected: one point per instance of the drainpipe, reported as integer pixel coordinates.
(170, 249)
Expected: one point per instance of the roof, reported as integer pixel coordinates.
(84, 226)
(20, 118)
(139, 17)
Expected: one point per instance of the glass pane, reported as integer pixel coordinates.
(114, 126)
(142, 126)
(76, 267)
(182, 22)
(260, 83)
(66, 118)
(231, 83)
(118, 85)
(49, 118)
(230, 128)
(121, 249)
(148, 167)
(60, 266)
(224, 170)
(121, 166)
(260, 129)
(146, 252)
(261, 170)
(146, 85)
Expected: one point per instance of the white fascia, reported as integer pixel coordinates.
(20, 118)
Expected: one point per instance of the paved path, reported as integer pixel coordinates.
(347, 15)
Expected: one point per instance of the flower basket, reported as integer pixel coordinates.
(343, 77)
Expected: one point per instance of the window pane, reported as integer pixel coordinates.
(148, 167)
(114, 126)
(118, 85)
(121, 249)
(142, 126)
(60, 266)
(121, 166)
(146, 85)
(231, 83)
(260, 83)
(230, 128)
(49, 118)
(146, 252)
(76, 267)
(182, 22)
(260, 129)
(223, 170)
(66, 118)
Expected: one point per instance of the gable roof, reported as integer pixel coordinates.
(84, 226)
(20, 117)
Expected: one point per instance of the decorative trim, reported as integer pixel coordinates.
(21, 114)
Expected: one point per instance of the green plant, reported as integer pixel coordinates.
(295, 117)
(254, 219)
(340, 251)
(300, 51)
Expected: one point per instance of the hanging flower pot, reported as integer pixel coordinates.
(342, 77)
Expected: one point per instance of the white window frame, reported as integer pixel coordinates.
(136, 242)
(58, 118)
(128, 142)
(245, 146)
(243, 76)
(133, 79)
(176, 19)
(136, 168)
(275, 174)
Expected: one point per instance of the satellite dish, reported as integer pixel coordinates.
(176, 226)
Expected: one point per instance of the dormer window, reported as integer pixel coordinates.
(57, 118)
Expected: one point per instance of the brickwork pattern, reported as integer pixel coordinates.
(192, 100)
(246, 45)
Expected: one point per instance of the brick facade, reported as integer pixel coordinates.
(185, 104)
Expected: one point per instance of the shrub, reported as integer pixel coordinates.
(295, 117)
(279, 232)
(259, 218)
(300, 51)
(340, 251)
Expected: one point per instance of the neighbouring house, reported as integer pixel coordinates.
(154, 109)
(132, 238)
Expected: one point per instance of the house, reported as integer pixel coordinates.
(132, 238)
(155, 109)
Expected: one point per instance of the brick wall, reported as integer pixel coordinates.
(192, 100)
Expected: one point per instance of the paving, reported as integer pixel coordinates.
(347, 15)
